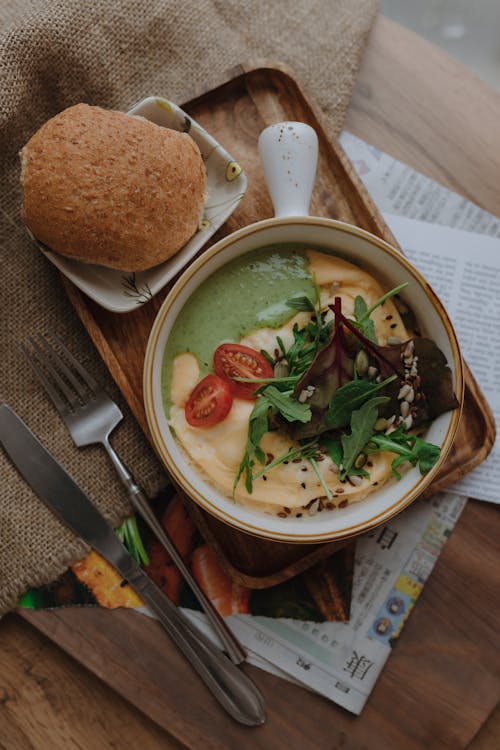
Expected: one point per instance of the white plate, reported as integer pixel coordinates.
(119, 291)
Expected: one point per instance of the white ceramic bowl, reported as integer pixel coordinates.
(389, 266)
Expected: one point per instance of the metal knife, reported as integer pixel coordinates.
(51, 482)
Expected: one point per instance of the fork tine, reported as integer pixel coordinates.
(61, 366)
(70, 396)
(84, 374)
(60, 403)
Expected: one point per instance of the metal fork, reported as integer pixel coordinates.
(90, 416)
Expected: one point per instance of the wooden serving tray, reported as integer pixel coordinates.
(235, 113)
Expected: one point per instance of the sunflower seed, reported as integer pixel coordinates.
(408, 421)
(410, 396)
(361, 362)
(303, 396)
(405, 408)
(372, 371)
(409, 348)
(313, 508)
(355, 480)
(404, 391)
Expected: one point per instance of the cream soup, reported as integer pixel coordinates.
(245, 302)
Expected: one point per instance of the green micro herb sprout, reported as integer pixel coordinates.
(129, 534)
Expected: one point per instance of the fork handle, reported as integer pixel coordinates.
(140, 503)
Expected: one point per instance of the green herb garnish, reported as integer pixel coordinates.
(257, 427)
(128, 533)
(391, 293)
(363, 320)
(362, 423)
(271, 402)
(350, 397)
(408, 447)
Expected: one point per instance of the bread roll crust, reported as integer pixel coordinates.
(108, 188)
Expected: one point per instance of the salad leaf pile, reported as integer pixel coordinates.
(337, 392)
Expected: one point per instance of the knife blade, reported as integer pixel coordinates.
(58, 490)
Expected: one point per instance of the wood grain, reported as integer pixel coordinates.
(69, 707)
(441, 682)
(235, 113)
(421, 106)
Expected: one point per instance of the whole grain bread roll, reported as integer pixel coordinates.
(108, 188)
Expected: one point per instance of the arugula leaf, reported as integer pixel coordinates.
(258, 425)
(289, 408)
(408, 447)
(305, 451)
(362, 423)
(381, 300)
(271, 402)
(333, 448)
(307, 341)
(349, 397)
(363, 321)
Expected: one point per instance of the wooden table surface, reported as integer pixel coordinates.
(425, 109)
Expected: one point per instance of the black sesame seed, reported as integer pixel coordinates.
(303, 485)
(393, 325)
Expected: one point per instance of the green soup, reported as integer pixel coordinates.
(248, 293)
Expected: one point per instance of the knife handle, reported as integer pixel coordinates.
(230, 686)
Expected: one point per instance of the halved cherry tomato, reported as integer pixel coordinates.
(237, 361)
(209, 403)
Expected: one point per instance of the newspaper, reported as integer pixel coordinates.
(342, 661)
(398, 189)
(464, 269)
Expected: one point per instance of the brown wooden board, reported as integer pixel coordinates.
(235, 113)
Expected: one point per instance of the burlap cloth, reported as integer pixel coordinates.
(53, 54)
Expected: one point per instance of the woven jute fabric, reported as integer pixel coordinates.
(52, 55)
